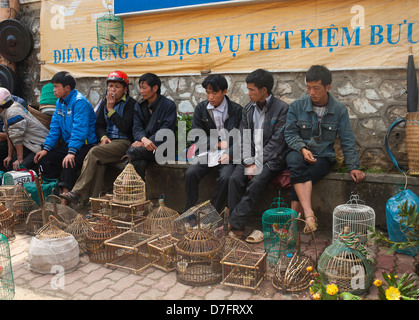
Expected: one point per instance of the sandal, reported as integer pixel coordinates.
(310, 226)
(255, 237)
(70, 196)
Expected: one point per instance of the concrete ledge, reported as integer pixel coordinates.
(335, 189)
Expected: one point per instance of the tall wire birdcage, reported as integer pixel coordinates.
(208, 217)
(279, 227)
(347, 263)
(7, 284)
(110, 34)
(358, 217)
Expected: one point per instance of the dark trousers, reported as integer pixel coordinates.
(301, 171)
(3, 154)
(140, 158)
(243, 193)
(51, 165)
(196, 173)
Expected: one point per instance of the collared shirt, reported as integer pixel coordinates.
(112, 130)
(258, 120)
(220, 115)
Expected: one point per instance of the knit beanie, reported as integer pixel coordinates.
(47, 95)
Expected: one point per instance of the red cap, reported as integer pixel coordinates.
(119, 76)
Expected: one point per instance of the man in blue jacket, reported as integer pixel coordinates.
(153, 113)
(71, 136)
(313, 124)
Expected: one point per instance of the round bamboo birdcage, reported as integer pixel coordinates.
(198, 258)
(160, 220)
(7, 222)
(128, 187)
(21, 209)
(79, 228)
(103, 230)
(347, 263)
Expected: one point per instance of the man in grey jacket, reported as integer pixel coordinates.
(263, 149)
(25, 133)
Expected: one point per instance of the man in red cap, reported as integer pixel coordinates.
(113, 130)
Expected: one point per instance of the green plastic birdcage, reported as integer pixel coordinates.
(279, 230)
(7, 285)
(110, 35)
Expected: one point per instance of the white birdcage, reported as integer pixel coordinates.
(357, 216)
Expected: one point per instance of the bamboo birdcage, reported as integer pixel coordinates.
(229, 243)
(198, 257)
(208, 216)
(127, 216)
(129, 187)
(129, 250)
(53, 247)
(7, 222)
(347, 263)
(7, 284)
(79, 228)
(244, 269)
(103, 230)
(279, 227)
(358, 217)
(160, 220)
(162, 252)
(101, 205)
(7, 195)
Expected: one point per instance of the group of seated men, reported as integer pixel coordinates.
(248, 145)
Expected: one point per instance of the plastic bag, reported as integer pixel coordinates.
(48, 186)
(394, 227)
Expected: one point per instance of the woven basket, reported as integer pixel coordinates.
(412, 142)
(43, 118)
(128, 187)
(7, 222)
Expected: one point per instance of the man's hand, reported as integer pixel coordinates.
(222, 145)
(250, 171)
(16, 163)
(308, 156)
(40, 155)
(110, 101)
(6, 161)
(357, 175)
(68, 161)
(225, 159)
(137, 144)
(148, 144)
(105, 140)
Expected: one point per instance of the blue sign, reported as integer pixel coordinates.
(127, 6)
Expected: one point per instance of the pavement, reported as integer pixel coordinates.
(93, 281)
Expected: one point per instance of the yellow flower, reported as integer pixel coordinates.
(309, 269)
(392, 293)
(332, 289)
(378, 283)
(316, 296)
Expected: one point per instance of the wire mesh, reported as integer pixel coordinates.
(7, 284)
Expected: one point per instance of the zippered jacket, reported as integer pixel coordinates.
(74, 121)
(304, 130)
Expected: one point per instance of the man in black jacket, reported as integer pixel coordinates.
(263, 149)
(216, 116)
(114, 130)
(154, 113)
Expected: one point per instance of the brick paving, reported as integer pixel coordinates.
(92, 281)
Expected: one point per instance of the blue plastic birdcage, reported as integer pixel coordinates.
(7, 285)
(279, 230)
